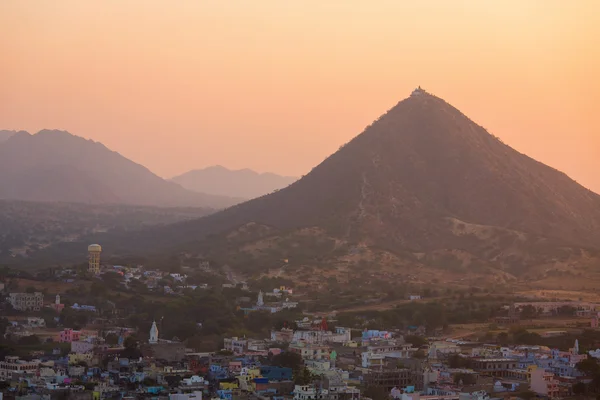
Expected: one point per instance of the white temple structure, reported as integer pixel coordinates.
(153, 334)
(260, 302)
(57, 301)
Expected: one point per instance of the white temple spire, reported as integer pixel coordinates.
(153, 334)
(260, 301)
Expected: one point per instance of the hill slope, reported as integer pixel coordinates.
(421, 163)
(243, 183)
(423, 193)
(58, 166)
(4, 134)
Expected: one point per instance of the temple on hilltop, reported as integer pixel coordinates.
(418, 91)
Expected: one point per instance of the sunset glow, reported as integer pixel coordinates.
(279, 85)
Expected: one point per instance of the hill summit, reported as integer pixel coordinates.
(422, 186)
(243, 183)
(417, 166)
(54, 165)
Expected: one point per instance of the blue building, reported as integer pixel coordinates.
(276, 373)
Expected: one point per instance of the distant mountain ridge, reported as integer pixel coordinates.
(422, 194)
(421, 186)
(6, 134)
(244, 183)
(55, 165)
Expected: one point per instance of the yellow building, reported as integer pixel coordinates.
(76, 358)
(228, 385)
(94, 251)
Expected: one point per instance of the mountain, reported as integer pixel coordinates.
(58, 166)
(243, 183)
(423, 194)
(4, 135)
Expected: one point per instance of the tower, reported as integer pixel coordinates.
(94, 251)
(260, 301)
(57, 301)
(153, 334)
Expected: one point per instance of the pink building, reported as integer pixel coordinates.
(68, 335)
(544, 383)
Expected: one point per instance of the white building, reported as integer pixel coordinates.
(341, 335)
(235, 345)
(309, 392)
(153, 333)
(26, 301)
(195, 395)
(372, 360)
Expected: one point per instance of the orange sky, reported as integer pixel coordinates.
(279, 85)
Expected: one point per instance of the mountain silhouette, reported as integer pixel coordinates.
(5, 134)
(243, 183)
(422, 185)
(55, 165)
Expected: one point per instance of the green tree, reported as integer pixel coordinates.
(288, 359)
(376, 393)
(303, 377)
(111, 339)
(579, 388)
(416, 341)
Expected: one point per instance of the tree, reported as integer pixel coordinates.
(111, 339)
(566, 311)
(376, 393)
(416, 341)
(303, 377)
(529, 312)
(29, 340)
(420, 354)
(466, 379)
(579, 388)
(528, 395)
(288, 359)
(589, 367)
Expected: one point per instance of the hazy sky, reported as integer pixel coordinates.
(278, 85)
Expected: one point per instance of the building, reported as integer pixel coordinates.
(153, 334)
(543, 383)
(57, 306)
(394, 378)
(309, 392)
(26, 301)
(13, 365)
(341, 335)
(68, 335)
(236, 345)
(495, 366)
(310, 351)
(78, 347)
(94, 251)
(195, 395)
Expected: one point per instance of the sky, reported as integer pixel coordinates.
(278, 85)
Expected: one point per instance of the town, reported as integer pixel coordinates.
(80, 350)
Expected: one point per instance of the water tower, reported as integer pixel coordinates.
(94, 251)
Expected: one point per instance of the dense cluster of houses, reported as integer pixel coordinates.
(342, 363)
